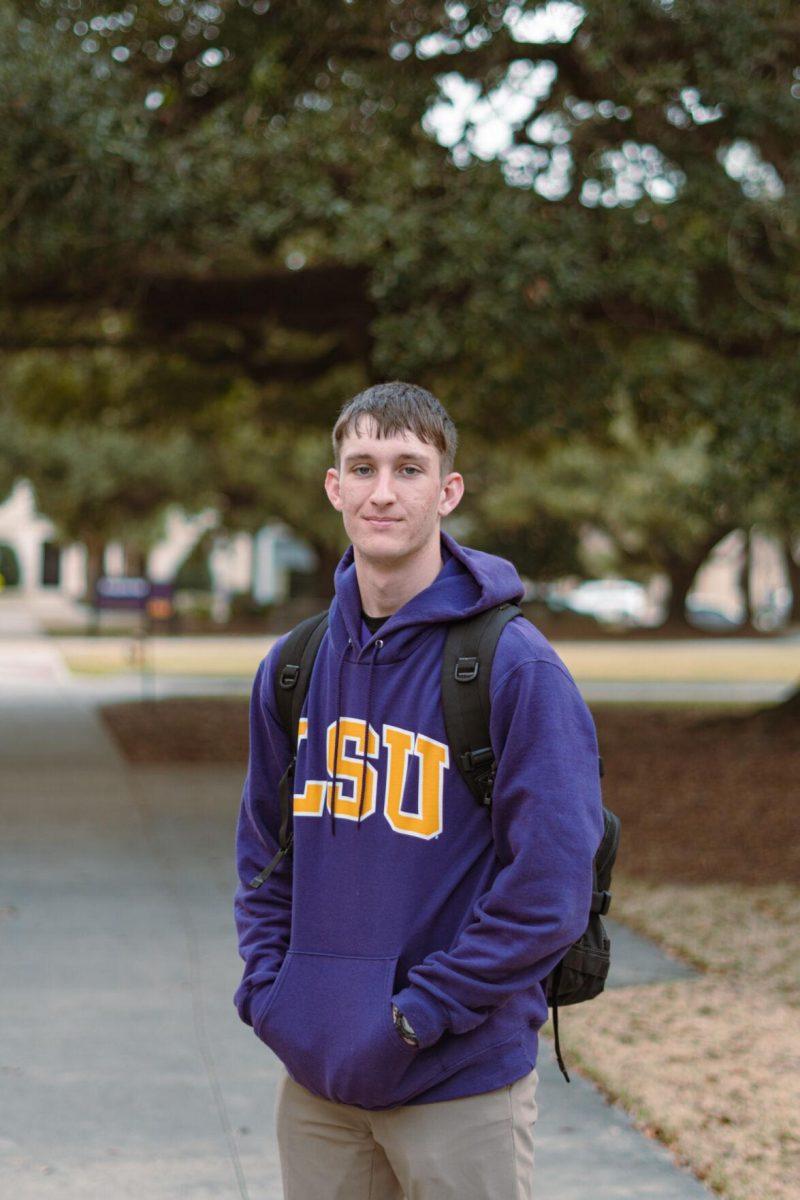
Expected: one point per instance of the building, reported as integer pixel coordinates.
(239, 563)
(43, 564)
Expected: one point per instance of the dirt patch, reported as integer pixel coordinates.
(701, 797)
(186, 729)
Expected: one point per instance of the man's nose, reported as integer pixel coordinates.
(383, 491)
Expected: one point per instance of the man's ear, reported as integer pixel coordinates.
(451, 493)
(332, 488)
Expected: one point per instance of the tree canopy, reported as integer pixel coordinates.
(238, 213)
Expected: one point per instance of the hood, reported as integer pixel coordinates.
(469, 582)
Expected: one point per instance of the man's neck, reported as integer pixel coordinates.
(385, 588)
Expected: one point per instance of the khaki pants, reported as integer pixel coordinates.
(474, 1148)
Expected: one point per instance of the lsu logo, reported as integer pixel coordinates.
(427, 818)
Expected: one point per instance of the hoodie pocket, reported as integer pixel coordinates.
(328, 1018)
(506, 1024)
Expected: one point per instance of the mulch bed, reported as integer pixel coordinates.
(702, 797)
(185, 729)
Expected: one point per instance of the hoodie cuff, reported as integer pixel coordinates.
(242, 998)
(425, 1016)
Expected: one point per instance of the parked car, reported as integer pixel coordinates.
(613, 601)
(704, 614)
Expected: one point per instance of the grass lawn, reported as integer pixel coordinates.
(225, 656)
(709, 865)
(699, 659)
(710, 1066)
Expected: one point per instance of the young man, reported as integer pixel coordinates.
(394, 960)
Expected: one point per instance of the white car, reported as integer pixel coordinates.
(615, 601)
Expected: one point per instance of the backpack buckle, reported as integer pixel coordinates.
(481, 765)
(289, 675)
(601, 902)
(489, 785)
(466, 670)
(473, 760)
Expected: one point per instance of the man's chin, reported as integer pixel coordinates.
(379, 546)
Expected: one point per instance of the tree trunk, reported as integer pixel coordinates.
(682, 572)
(782, 719)
(745, 568)
(135, 561)
(95, 552)
(791, 705)
(787, 712)
(681, 577)
(793, 571)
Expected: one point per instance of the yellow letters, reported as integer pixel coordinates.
(310, 801)
(349, 766)
(426, 821)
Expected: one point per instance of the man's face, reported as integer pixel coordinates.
(390, 493)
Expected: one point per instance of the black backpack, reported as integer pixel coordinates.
(466, 672)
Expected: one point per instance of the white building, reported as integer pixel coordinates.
(238, 563)
(43, 565)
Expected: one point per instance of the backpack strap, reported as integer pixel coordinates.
(292, 674)
(466, 676)
(293, 670)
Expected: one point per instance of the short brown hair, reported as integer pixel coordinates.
(396, 407)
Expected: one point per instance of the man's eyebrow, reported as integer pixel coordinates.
(404, 455)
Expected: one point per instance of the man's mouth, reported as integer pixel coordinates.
(382, 522)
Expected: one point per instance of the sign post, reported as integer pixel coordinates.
(153, 602)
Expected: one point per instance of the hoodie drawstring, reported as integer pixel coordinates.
(336, 742)
(377, 647)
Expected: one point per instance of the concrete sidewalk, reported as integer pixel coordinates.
(126, 1072)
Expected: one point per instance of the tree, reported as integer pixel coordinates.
(249, 176)
(102, 484)
(260, 192)
(278, 473)
(662, 505)
(194, 572)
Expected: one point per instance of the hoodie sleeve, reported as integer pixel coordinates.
(547, 823)
(263, 915)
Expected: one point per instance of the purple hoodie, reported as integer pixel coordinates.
(410, 890)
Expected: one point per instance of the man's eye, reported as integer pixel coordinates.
(416, 470)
